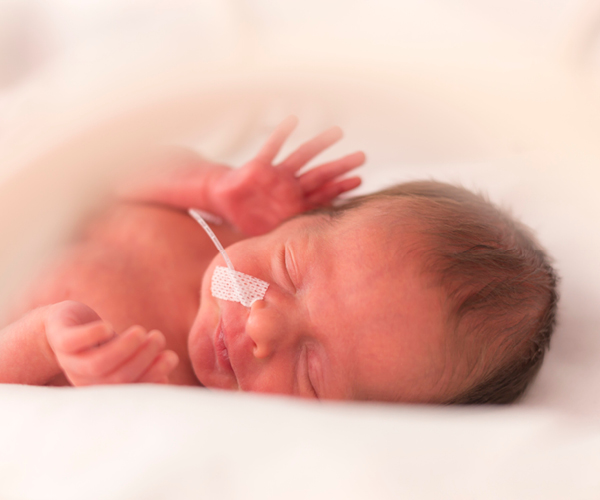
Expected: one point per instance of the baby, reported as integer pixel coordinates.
(423, 292)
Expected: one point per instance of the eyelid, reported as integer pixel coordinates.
(290, 267)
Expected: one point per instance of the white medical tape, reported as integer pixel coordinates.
(248, 291)
(227, 283)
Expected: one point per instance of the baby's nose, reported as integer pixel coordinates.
(266, 328)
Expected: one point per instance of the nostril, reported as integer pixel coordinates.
(268, 325)
(259, 330)
(260, 351)
(253, 344)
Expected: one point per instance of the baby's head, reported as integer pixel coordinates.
(499, 289)
(423, 292)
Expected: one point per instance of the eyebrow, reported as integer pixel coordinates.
(323, 215)
(323, 219)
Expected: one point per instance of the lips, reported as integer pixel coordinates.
(221, 351)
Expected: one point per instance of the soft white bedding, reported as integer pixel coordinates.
(155, 442)
(528, 137)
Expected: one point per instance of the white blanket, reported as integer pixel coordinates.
(155, 442)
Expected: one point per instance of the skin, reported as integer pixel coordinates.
(118, 307)
(123, 304)
(327, 327)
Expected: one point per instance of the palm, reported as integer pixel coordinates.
(260, 195)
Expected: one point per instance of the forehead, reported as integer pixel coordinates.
(373, 308)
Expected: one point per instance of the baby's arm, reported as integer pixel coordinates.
(260, 195)
(25, 354)
(177, 177)
(70, 338)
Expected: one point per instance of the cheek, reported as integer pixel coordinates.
(200, 343)
(207, 315)
(206, 278)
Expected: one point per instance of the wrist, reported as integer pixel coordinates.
(211, 192)
(177, 177)
(43, 345)
(25, 353)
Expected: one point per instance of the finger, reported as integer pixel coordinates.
(270, 149)
(105, 359)
(79, 338)
(133, 368)
(318, 176)
(326, 194)
(310, 149)
(160, 369)
(70, 313)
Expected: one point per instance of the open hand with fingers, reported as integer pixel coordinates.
(90, 353)
(260, 195)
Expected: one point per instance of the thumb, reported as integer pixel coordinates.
(70, 313)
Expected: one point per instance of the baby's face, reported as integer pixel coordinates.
(347, 315)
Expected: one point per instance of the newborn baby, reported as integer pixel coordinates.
(423, 292)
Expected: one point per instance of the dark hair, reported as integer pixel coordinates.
(501, 289)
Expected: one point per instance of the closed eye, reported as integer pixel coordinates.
(288, 265)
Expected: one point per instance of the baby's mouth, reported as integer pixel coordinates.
(222, 353)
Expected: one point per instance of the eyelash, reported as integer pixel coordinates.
(287, 270)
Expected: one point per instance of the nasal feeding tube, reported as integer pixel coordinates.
(226, 282)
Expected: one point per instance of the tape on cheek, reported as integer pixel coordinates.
(229, 284)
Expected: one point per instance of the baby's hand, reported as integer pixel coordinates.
(90, 352)
(259, 196)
